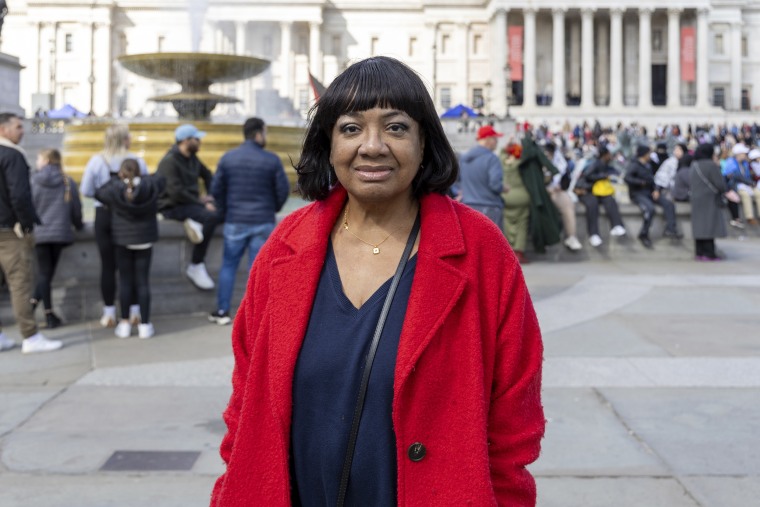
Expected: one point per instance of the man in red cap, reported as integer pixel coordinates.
(481, 178)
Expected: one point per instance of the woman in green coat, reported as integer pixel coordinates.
(516, 201)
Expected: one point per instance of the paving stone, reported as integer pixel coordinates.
(716, 491)
(585, 438)
(105, 490)
(695, 431)
(617, 492)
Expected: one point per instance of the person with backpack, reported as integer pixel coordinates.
(56, 198)
(134, 201)
(101, 168)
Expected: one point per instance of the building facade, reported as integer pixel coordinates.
(528, 58)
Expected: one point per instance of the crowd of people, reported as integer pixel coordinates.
(40, 209)
(530, 190)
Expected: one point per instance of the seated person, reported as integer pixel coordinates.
(598, 190)
(642, 190)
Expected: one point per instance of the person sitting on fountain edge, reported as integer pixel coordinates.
(181, 199)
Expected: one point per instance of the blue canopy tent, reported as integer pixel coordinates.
(66, 112)
(456, 112)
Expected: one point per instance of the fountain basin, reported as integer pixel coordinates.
(195, 72)
(151, 140)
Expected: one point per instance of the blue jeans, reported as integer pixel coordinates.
(238, 237)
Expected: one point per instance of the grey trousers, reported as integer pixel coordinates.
(496, 214)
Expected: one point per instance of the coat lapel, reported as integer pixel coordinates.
(437, 284)
(293, 285)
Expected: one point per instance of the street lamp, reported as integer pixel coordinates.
(508, 84)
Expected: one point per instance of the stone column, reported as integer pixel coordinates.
(645, 57)
(674, 57)
(529, 59)
(703, 84)
(616, 58)
(498, 99)
(315, 50)
(36, 29)
(463, 46)
(285, 50)
(240, 32)
(587, 58)
(575, 58)
(558, 58)
(735, 102)
(602, 78)
(47, 57)
(103, 68)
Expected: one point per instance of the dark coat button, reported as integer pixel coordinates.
(416, 451)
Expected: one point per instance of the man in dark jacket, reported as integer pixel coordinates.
(249, 187)
(17, 221)
(481, 177)
(641, 187)
(181, 199)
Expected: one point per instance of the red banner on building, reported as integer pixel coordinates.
(688, 53)
(515, 41)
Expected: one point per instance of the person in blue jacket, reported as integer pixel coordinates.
(249, 187)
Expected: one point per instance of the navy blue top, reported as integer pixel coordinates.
(325, 389)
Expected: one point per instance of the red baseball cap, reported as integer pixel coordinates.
(487, 131)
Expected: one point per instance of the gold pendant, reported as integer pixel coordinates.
(375, 250)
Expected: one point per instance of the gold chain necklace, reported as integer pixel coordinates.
(375, 246)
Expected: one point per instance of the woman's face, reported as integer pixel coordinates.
(376, 153)
(41, 161)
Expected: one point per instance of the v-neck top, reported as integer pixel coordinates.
(325, 389)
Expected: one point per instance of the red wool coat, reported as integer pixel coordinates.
(467, 378)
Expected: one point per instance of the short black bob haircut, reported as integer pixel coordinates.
(375, 82)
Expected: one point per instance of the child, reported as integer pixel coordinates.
(132, 199)
(56, 199)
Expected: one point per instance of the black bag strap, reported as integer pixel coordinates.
(702, 177)
(370, 359)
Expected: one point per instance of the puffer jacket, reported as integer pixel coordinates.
(56, 199)
(133, 222)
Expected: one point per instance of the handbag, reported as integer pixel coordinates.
(732, 196)
(602, 188)
(721, 198)
(368, 364)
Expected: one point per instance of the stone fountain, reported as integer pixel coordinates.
(195, 72)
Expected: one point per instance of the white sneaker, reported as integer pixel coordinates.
(618, 231)
(6, 343)
(123, 330)
(573, 244)
(38, 343)
(194, 231)
(145, 330)
(595, 240)
(109, 316)
(199, 276)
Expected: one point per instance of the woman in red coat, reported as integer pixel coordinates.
(440, 405)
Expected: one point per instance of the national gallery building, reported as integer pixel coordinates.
(547, 59)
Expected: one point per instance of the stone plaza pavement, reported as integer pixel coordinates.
(651, 389)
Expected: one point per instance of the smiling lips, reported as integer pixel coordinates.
(373, 173)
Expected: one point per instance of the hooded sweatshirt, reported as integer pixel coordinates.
(56, 199)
